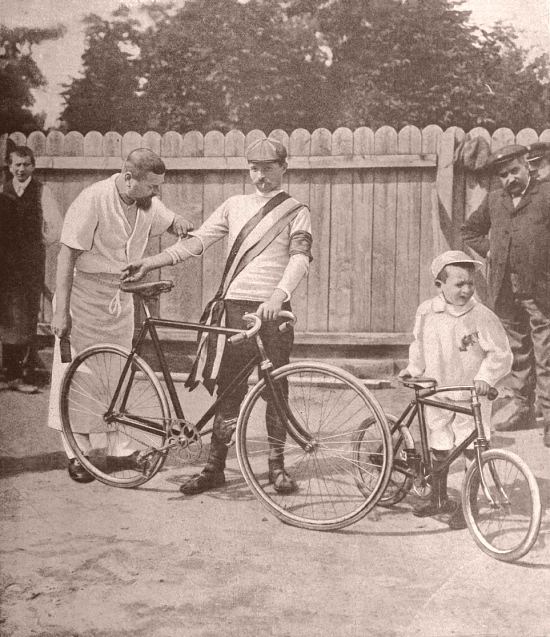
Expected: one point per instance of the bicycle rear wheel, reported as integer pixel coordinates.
(121, 447)
(507, 528)
(327, 407)
(400, 482)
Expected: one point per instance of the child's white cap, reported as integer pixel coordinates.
(451, 257)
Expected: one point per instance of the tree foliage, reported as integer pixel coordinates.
(422, 62)
(107, 96)
(304, 63)
(19, 74)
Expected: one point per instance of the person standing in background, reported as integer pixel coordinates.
(512, 229)
(29, 220)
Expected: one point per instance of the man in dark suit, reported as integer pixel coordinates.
(29, 220)
(512, 229)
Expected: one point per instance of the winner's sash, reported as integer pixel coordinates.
(252, 240)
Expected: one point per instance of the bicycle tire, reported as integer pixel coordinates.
(329, 404)
(87, 390)
(399, 484)
(510, 530)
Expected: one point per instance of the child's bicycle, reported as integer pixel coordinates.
(109, 390)
(500, 495)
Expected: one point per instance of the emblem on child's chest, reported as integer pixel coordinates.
(468, 340)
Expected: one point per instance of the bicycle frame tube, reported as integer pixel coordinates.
(410, 412)
(239, 378)
(149, 328)
(477, 436)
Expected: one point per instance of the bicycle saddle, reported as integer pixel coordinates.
(418, 381)
(148, 289)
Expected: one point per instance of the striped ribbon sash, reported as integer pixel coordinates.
(252, 240)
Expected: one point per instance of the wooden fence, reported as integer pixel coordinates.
(383, 203)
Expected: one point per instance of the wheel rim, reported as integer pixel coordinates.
(509, 528)
(89, 388)
(330, 406)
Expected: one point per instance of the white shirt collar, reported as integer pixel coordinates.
(439, 304)
(20, 186)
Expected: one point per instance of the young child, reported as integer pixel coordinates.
(457, 341)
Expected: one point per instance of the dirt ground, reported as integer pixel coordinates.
(95, 561)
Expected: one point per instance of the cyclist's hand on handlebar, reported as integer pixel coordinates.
(134, 271)
(482, 387)
(269, 310)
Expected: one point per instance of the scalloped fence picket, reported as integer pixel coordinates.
(383, 204)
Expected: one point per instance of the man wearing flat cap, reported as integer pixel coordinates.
(269, 250)
(512, 229)
(539, 159)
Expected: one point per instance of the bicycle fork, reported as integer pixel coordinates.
(481, 444)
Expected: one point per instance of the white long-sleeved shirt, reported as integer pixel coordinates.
(457, 345)
(273, 268)
(96, 224)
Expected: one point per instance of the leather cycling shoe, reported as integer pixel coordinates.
(78, 473)
(279, 478)
(435, 508)
(203, 481)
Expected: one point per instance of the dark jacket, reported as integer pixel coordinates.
(22, 260)
(519, 236)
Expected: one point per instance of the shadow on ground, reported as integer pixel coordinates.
(42, 462)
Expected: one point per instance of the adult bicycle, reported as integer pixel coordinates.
(107, 389)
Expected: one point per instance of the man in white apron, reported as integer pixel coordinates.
(106, 227)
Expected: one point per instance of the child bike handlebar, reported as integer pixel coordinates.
(430, 384)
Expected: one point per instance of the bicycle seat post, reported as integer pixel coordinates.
(145, 307)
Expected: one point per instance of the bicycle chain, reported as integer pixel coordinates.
(183, 439)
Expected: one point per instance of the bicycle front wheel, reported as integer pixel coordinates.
(505, 526)
(115, 423)
(318, 437)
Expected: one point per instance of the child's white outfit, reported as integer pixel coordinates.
(457, 345)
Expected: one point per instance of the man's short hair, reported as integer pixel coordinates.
(22, 151)
(142, 161)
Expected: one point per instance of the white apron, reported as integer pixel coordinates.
(100, 315)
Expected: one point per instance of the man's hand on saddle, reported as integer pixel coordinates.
(134, 271)
(61, 324)
(181, 226)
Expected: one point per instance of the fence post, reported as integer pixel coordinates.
(444, 183)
